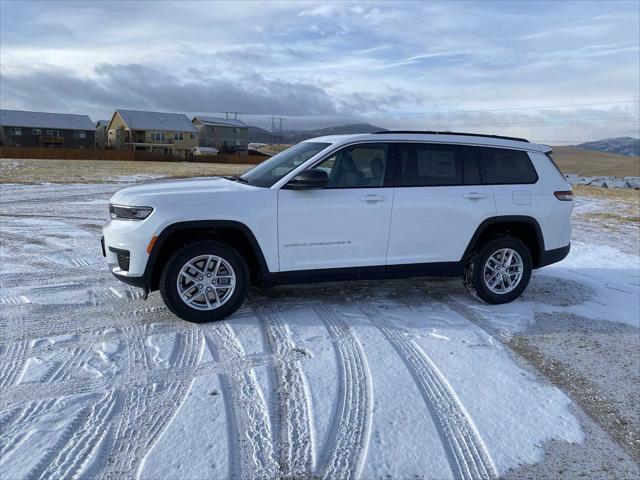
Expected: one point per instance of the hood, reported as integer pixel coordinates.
(142, 195)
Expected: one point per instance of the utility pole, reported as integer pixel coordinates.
(277, 132)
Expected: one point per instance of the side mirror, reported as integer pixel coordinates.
(309, 179)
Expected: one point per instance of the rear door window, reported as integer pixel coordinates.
(428, 165)
(501, 166)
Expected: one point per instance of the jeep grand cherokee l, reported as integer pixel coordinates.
(385, 205)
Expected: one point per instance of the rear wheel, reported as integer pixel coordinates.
(499, 271)
(204, 281)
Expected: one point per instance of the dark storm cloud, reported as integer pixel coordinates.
(140, 86)
(145, 87)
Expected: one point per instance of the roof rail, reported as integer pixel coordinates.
(464, 134)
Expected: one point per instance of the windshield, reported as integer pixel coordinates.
(270, 171)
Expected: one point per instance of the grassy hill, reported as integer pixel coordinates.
(621, 145)
(592, 163)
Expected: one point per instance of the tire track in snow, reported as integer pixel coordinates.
(17, 395)
(351, 428)
(249, 410)
(85, 438)
(296, 452)
(148, 410)
(15, 425)
(62, 370)
(467, 454)
(39, 329)
(15, 300)
(12, 362)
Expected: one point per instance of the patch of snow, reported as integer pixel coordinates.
(198, 441)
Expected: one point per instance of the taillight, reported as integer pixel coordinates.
(565, 196)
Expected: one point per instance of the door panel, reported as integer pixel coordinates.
(345, 224)
(435, 224)
(333, 228)
(434, 213)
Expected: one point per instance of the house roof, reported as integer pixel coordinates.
(61, 121)
(225, 122)
(173, 122)
(103, 123)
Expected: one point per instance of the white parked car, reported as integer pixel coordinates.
(489, 209)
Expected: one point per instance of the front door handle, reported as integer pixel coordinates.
(373, 198)
(475, 195)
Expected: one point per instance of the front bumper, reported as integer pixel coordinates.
(140, 282)
(128, 239)
(127, 262)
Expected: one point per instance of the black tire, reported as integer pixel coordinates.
(169, 289)
(474, 270)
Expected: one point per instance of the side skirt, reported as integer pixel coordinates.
(440, 269)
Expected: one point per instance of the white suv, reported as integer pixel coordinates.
(383, 205)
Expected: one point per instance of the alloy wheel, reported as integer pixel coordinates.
(206, 282)
(503, 271)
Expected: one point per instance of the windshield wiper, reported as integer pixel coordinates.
(237, 178)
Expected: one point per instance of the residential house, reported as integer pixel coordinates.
(101, 133)
(227, 135)
(170, 133)
(39, 129)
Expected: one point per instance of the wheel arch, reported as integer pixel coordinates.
(525, 228)
(232, 233)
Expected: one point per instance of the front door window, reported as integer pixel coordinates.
(357, 166)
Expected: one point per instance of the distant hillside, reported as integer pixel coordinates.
(295, 137)
(621, 145)
(260, 135)
(591, 163)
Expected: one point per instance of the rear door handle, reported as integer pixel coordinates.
(475, 195)
(373, 198)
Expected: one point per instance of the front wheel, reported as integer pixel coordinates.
(204, 281)
(499, 271)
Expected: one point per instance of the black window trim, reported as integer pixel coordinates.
(391, 173)
(473, 152)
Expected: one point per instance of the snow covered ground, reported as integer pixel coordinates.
(393, 379)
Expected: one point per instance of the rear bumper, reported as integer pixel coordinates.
(549, 257)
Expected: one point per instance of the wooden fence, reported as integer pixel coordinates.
(126, 155)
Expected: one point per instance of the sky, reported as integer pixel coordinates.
(555, 72)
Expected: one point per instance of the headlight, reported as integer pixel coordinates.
(129, 213)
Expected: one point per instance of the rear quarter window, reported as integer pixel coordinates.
(500, 166)
(548, 155)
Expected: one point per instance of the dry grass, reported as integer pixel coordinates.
(273, 149)
(97, 171)
(590, 163)
(623, 207)
(625, 195)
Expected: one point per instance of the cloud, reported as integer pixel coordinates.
(145, 87)
(140, 86)
(329, 60)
